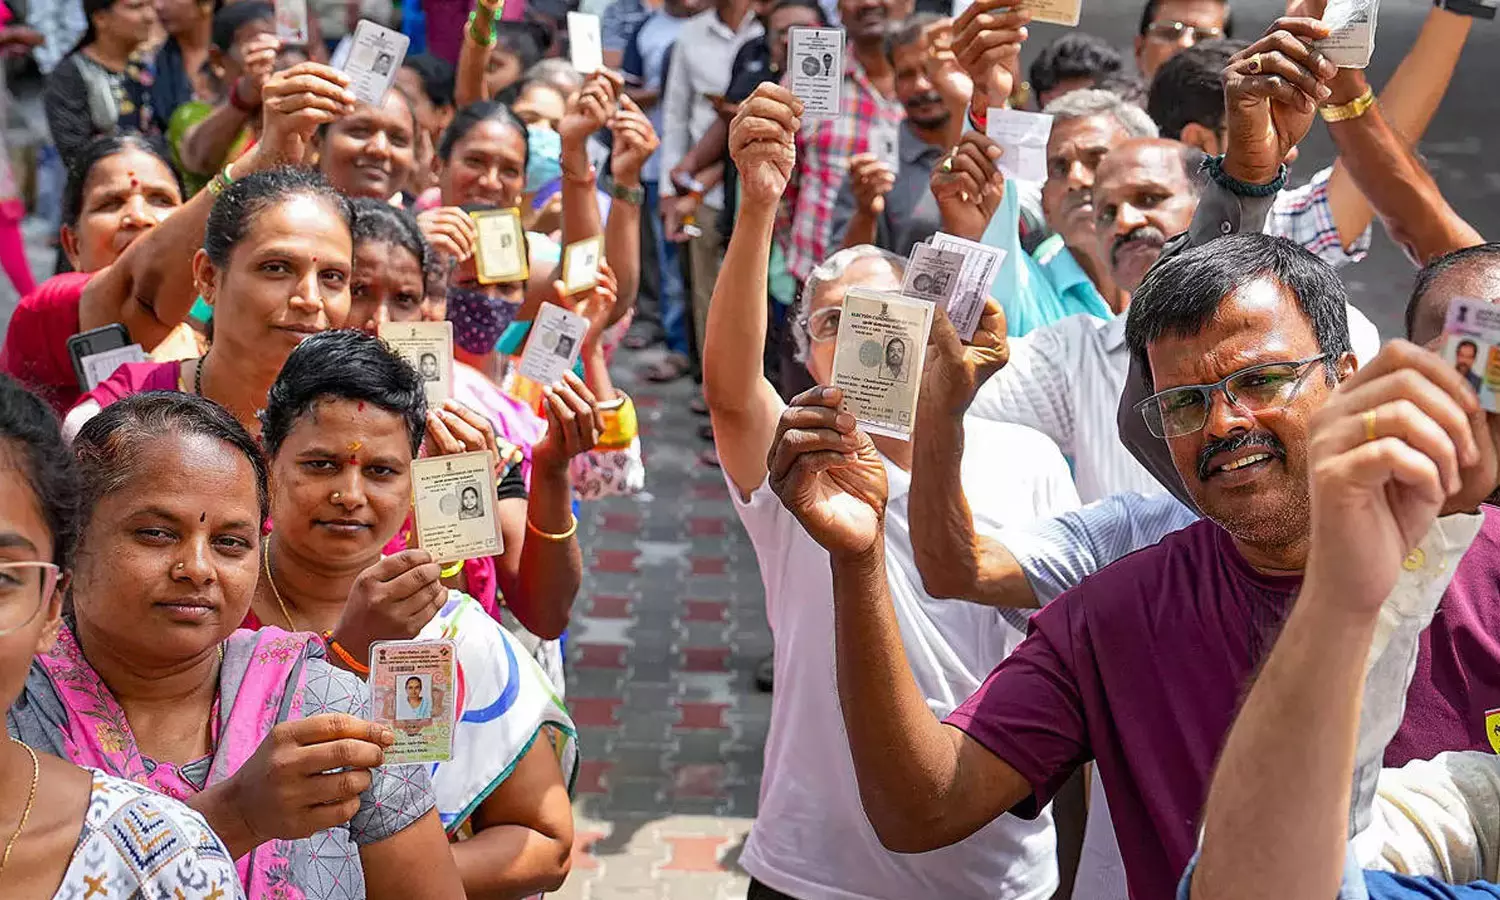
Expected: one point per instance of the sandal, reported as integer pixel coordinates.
(670, 368)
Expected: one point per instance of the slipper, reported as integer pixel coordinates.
(706, 432)
(639, 340)
(765, 674)
(709, 457)
(698, 405)
(672, 367)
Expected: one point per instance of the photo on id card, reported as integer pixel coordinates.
(453, 499)
(428, 346)
(375, 56)
(877, 360)
(1471, 343)
(553, 347)
(413, 691)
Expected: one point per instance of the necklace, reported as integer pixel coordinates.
(36, 772)
(285, 614)
(198, 375)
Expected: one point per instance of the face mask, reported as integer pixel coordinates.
(479, 319)
(543, 157)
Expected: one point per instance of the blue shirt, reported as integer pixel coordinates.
(1042, 290)
(653, 44)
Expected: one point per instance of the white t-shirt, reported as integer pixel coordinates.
(811, 838)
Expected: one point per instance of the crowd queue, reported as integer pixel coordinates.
(1183, 586)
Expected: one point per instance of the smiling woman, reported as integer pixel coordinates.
(275, 264)
(372, 151)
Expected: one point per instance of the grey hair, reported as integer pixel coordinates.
(1087, 102)
(825, 273)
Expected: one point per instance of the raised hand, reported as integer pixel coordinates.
(574, 423)
(943, 69)
(294, 103)
(987, 43)
(968, 186)
(635, 141)
(259, 56)
(450, 231)
(954, 371)
(827, 473)
(1401, 441)
(1271, 94)
(595, 304)
(591, 108)
(871, 180)
(762, 142)
(305, 777)
(391, 600)
(454, 428)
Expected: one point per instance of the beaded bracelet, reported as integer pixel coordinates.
(354, 665)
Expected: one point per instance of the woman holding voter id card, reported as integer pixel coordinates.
(150, 681)
(343, 425)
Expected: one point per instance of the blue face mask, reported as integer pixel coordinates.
(543, 157)
(479, 318)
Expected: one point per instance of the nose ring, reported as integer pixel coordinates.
(336, 495)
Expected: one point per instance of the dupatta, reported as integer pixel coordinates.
(261, 682)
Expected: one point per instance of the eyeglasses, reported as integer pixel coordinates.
(822, 325)
(24, 587)
(1174, 32)
(1184, 410)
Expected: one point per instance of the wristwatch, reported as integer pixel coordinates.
(1479, 9)
(635, 196)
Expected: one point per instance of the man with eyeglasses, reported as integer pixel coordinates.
(811, 839)
(1170, 26)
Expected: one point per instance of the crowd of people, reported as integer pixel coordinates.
(1182, 584)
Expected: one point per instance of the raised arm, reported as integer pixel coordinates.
(923, 784)
(588, 112)
(1373, 499)
(474, 56)
(149, 289)
(634, 142)
(743, 404)
(204, 146)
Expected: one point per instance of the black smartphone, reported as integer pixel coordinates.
(95, 340)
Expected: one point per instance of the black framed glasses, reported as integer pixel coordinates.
(1183, 410)
(1173, 32)
(24, 588)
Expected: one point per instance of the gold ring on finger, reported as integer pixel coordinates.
(1369, 417)
(1254, 64)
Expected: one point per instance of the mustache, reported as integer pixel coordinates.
(925, 97)
(1149, 234)
(1073, 200)
(1242, 441)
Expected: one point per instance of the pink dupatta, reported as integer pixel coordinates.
(266, 664)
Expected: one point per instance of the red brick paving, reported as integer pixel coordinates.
(709, 565)
(593, 775)
(704, 611)
(594, 712)
(698, 780)
(610, 606)
(615, 560)
(697, 715)
(705, 659)
(598, 656)
(694, 854)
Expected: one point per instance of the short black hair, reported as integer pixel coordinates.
(1148, 15)
(109, 445)
(100, 149)
(897, 35)
(235, 211)
(527, 41)
(1074, 55)
(812, 6)
(1188, 88)
(343, 365)
(378, 221)
(1128, 86)
(472, 115)
(1470, 344)
(1487, 255)
(437, 77)
(230, 19)
(31, 442)
(1182, 293)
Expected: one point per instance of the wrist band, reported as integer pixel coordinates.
(620, 424)
(1214, 166)
(354, 665)
(587, 176)
(1351, 110)
(234, 99)
(452, 571)
(221, 181)
(479, 38)
(547, 536)
(635, 196)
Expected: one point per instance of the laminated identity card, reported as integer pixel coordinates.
(428, 346)
(1352, 42)
(291, 21)
(885, 143)
(1471, 342)
(981, 262)
(413, 691)
(375, 56)
(585, 45)
(877, 361)
(580, 265)
(453, 498)
(1056, 12)
(816, 58)
(500, 251)
(932, 274)
(553, 347)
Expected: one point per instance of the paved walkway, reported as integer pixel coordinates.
(667, 632)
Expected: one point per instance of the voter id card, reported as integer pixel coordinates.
(1471, 344)
(375, 56)
(414, 692)
(816, 58)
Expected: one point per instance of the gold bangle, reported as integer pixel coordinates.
(221, 181)
(547, 536)
(1351, 110)
(451, 571)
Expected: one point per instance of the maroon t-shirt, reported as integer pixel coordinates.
(35, 351)
(1143, 667)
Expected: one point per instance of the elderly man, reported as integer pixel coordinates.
(811, 839)
(1170, 26)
